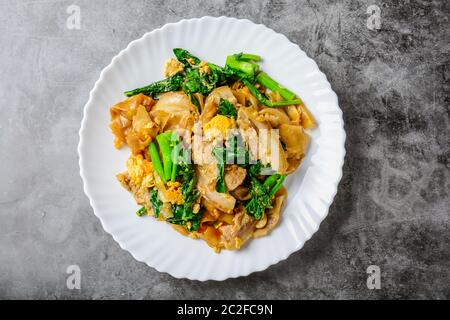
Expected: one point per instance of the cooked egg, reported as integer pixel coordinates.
(238, 242)
(173, 193)
(140, 171)
(204, 68)
(218, 126)
(172, 67)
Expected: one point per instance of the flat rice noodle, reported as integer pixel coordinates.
(295, 139)
(122, 115)
(174, 110)
(212, 102)
(275, 117)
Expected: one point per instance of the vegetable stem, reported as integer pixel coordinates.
(264, 79)
(141, 212)
(268, 183)
(166, 153)
(170, 84)
(246, 67)
(285, 103)
(175, 154)
(156, 160)
(247, 57)
(277, 185)
(258, 95)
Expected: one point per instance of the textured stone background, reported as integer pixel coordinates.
(392, 208)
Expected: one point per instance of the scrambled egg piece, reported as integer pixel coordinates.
(173, 193)
(204, 68)
(172, 67)
(191, 61)
(140, 171)
(219, 126)
(196, 208)
(238, 242)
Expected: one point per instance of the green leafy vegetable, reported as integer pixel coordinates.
(183, 214)
(141, 212)
(219, 153)
(244, 69)
(164, 142)
(194, 101)
(195, 82)
(262, 194)
(170, 84)
(235, 152)
(189, 179)
(226, 108)
(247, 57)
(221, 75)
(175, 154)
(186, 58)
(240, 66)
(260, 200)
(254, 170)
(264, 79)
(155, 202)
(156, 161)
(277, 184)
(266, 101)
(168, 145)
(198, 80)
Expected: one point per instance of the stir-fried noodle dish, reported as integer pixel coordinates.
(211, 147)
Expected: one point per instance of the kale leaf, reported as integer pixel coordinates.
(186, 58)
(196, 82)
(172, 83)
(183, 213)
(220, 182)
(201, 77)
(260, 200)
(262, 194)
(155, 202)
(226, 108)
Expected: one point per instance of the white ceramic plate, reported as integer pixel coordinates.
(311, 189)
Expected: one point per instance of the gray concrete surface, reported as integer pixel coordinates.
(392, 208)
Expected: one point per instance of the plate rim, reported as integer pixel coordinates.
(83, 128)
